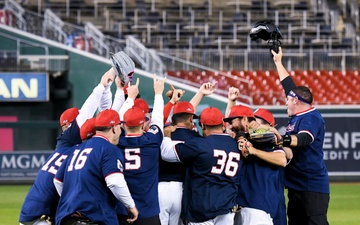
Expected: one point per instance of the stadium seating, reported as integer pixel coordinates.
(332, 87)
(213, 25)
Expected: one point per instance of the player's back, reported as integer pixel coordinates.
(213, 185)
(175, 171)
(42, 197)
(264, 179)
(141, 170)
(83, 176)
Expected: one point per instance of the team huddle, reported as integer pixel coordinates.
(131, 164)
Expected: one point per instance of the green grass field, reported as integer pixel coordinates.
(344, 203)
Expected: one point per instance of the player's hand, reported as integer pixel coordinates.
(244, 146)
(278, 137)
(119, 85)
(255, 125)
(288, 153)
(133, 90)
(168, 130)
(178, 93)
(233, 93)
(108, 77)
(174, 94)
(158, 85)
(277, 56)
(208, 88)
(133, 214)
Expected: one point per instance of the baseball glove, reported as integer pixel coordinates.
(124, 66)
(261, 138)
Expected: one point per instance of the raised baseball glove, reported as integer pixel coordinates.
(124, 66)
(261, 138)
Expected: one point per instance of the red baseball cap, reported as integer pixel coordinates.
(239, 111)
(68, 116)
(184, 107)
(134, 117)
(87, 130)
(142, 104)
(107, 118)
(211, 116)
(265, 115)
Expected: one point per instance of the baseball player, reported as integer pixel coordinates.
(171, 175)
(211, 185)
(260, 174)
(71, 136)
(67, 117)
(41, 201)
(90, 178)
(141, 150)
(306, 177)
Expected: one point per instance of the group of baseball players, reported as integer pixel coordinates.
(134, 165)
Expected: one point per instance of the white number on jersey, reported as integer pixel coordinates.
(133, 160)
(228, 164)
(53, 169)
(79, 161)
(153, 130)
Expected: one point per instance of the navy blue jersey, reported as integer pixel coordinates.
(69, 137)
(84, 188)
(141, 171)
(307, 170)
(42, 198)
(175, 171)
(260, 185)
(211, 183)
(280, 216)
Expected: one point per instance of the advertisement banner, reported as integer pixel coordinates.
(30, 87)
(21, 166)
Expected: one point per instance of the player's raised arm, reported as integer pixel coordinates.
(204, 90)
(233, 94)
(174, 95)
(133, 91)
(157, 117)
(119, 97)
(106, 98)
(92, 102)
(286, 81)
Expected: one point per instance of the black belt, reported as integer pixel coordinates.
(77, 219)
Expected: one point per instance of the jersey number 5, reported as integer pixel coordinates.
(133, 160)
(228, 164)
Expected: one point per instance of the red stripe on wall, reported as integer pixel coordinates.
(7, 134)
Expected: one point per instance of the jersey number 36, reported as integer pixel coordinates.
(227, 163)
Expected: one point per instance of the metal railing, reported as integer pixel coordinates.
(147, 58)
(17, 11)
(98, 39)
(226, 56)
(177, 64)
(261, 59)
(20, 60)
(52, 27)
